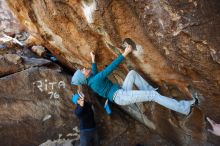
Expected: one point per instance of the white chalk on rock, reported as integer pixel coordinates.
(47, 117)
(7, 38)
(88, 10)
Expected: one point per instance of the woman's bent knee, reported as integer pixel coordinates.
(132, 72)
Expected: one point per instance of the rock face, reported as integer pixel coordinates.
(8, 23)
(35, 107)
(177, 51)
(34, 96)
(31, 111)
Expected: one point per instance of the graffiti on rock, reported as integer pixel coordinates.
(50, 87)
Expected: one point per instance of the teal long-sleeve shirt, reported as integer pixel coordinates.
(99, 82)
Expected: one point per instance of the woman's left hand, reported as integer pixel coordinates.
(92, 56)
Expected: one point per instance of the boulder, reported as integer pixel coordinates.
(39, 50)
(17, 59)
(27, 98)
(13, 58)
(36, 109)
(177, 51)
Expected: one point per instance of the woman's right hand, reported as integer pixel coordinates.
(128, 50)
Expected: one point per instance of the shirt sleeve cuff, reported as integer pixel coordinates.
(121, 56)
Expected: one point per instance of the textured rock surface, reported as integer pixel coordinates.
(35, 107)
(28, 116)
(8, 23)
(14, 59)
(178, 48)
(33, 98)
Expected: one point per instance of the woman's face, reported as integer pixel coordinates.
(86, 71)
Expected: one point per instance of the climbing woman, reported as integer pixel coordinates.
(125, 95)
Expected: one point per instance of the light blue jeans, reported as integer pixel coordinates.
(146, 92)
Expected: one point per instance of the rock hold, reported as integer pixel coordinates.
(13, 58)
(39, 50)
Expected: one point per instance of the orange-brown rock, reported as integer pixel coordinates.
(36, 108)
(178, 48)
(8, 23)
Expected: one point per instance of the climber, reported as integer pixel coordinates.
(125, 95)
(215, 127)
(88, 132)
